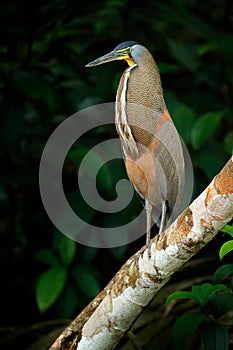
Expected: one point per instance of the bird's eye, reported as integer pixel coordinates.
(130, 51)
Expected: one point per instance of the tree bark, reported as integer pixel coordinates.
(111, 314)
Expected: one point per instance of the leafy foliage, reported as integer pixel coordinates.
(213, 307)
(215, 336)
(228, 229)
(44, 48)
(214, 300)
(53, 282)
(55, 278)
(222, 273)
(227, 247)
(185, 327)
(204, 127)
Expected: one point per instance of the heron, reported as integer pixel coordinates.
(151, 145)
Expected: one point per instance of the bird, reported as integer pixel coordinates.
(152, 148)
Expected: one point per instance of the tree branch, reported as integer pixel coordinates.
(111, 314)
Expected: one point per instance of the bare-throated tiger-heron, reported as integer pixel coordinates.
(150, 142)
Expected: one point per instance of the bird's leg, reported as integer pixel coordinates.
(163, 216)
(148, 222)
(148, 208)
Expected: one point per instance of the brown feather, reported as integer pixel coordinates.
(153, 169)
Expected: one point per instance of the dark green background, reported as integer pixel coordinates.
(44, 47)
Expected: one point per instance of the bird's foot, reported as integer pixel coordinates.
(138, 256)
(141, 252)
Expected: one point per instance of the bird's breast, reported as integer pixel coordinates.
(141, 121)
(139, 107)
(141, 173)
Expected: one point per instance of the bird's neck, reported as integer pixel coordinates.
(121, 119)
(139, 106)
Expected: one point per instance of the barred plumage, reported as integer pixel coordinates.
(151, 145)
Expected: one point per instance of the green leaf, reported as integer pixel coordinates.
(104, 176)
(69, 301)
(78, 153)
(67, 249)
(210, 160)
(184, 327)
(215, 337)
(182, 113)
(80, 207)
(49, 287)
(219, 287)
(94, 160)
(225, 249)
(222, 272)
(220, 304)
(202, 292)
(208, 47)
(228, 229)
(228, 142)
(185, 54)
(171, 101)
(47, 257)
(87, 254)
(204, 127)
(177, 295)
(85, 278)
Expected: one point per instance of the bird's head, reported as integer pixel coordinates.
(130, 51)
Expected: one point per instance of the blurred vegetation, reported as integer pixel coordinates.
(210, 322)
(44, 47)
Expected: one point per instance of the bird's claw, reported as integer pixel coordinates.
(141, 252)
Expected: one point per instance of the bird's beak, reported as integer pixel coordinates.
(111, 56)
